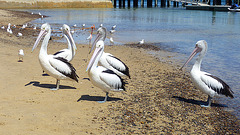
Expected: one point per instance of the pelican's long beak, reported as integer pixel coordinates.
(195, 51)
(69, 35)
(41, 34)
(94, 56)
(95, 41)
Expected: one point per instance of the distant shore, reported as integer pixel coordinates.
(44, 4)
(159, 99)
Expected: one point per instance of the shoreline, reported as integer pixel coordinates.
(43, 4)
(159, 98)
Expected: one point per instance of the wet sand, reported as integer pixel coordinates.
(159, 99)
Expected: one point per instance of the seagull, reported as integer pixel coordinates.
(101, 77)
(19, 34)
(112, 31)
(75, 25)
(83, 25)
(9, 30)
(107, 60)
(141, 42)
(111, 41)
(70, 52)
(56, 67)
(114, 27)
(39, 14)
(20, 55)
(207, 83)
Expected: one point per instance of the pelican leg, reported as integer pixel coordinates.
(208, 102)
(57, 85)
(105, 99)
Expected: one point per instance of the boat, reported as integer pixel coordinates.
(234, 8)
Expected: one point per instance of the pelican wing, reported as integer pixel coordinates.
(112, 80)
(64, 67)
(117, 64)
(217, 85)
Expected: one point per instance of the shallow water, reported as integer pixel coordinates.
(174, 29)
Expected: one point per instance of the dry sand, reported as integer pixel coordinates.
(159, 99)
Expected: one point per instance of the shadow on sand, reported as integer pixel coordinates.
(96, 98)
(197, 102)
(37, 84)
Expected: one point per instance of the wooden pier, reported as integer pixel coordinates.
(189, 4)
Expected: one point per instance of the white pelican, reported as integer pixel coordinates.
(108, 60)
(56, 67)
(141, 42)
(207, 83)
(20, 55)
(101, 77)
(68, 53)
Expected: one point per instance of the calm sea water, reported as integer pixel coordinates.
(174, 29)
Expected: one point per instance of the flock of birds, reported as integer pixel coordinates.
(105, 70)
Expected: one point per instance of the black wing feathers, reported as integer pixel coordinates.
(72, 74)
(226, 90)
(122, 81)
(126, 72)
(58, 52)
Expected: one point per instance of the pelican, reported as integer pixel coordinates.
(109, 61)
(56, 67)
(207, 83)
(20, 55)
(101, 77)
(68, 53)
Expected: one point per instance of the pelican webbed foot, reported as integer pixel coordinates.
(105, 99)
(208, 102)
(57, 84)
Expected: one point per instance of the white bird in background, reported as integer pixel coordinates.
(207, 83)
(75, 25)
(34, 27)
(9, 30)
(32, 13)
(107, 60)
(19, 34)
(101, 25)
(83, 25)
(39, 14)
(24, 26)
(111, 41)
(141, 42)
(56, 67)
(70, 52)
(114, 27)
(112, 31)
(20, 55)
(101, 77)
(2, 27)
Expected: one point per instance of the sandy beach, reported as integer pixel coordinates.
(159, 99)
